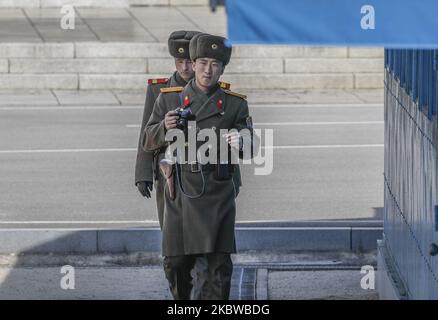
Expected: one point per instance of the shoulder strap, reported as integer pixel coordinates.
(224, 85)
(235, 94)
(158, 81)
(171, 89)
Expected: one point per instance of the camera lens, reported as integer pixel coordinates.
(184, 116)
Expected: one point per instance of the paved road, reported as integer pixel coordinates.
(115, 283)
(261, 275)
(76, 165)
(139, 283)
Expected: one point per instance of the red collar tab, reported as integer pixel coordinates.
(219, 104)
(158, 81)
(186, 101)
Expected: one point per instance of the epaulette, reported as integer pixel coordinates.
(158, 81)
(225, 85)
(172, 89)
(231, 93)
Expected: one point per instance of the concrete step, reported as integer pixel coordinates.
(122, 81)
(44, 99)
(256, 275)
(148, 239)
(98, 3)
(118, 65)
(56, 65)
(93, 49)
(166, 65)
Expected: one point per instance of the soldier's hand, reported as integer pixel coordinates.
(170, 120)
(234, 139)
(145, 188)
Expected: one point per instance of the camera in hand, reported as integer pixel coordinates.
(184, 116)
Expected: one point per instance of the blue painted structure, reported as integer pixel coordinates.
(410, 219)
(411, 104)
(381, 23)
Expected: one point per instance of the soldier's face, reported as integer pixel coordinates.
(208, 71)
(184, 68)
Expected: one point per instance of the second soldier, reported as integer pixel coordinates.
(147, 162)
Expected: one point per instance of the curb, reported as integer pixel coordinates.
(80, 240)
(262, 284)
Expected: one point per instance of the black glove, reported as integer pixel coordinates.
(145, 188)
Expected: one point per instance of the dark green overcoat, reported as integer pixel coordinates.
(146, 162)
(205, 224)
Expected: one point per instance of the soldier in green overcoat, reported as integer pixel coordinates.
(146, 164)
(146, 173)
(199, 221)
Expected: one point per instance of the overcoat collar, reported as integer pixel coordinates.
(176, 80)
(202, 105)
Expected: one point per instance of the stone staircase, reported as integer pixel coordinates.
(98, 3)
(121, 47)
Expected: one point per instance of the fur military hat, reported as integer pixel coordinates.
(178, 43)
(204, 45)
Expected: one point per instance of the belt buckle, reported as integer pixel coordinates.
(195, 167)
